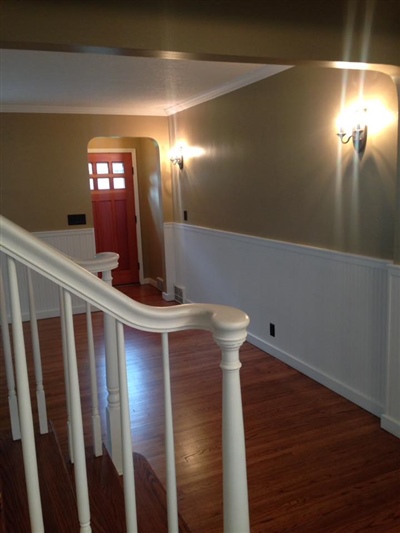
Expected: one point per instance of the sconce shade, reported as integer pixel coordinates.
(359, 131)
(359, 137)
(176, 158)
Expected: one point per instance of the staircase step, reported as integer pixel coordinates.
(57, 495)
(106, 494)
(107, 497)
(151, 499)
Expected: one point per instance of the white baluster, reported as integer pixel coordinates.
(172, 499)
(12, 396)
(82, 493)
(236, 507)
(66, 374)
(127, 459)
(114, 445)
(40, 395)
(25, 407)
(96, 424)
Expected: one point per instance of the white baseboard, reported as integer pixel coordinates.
(318, 376)
(168, 297)
(390, 425)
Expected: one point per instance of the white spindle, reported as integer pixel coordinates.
(172, 499)
(127, 459)
(25, 408)
(82, 493)
(37, 359)
(105, 262)
(114, 445)
(12, 396)
(236, 507)
(66, 374)
(96, 424)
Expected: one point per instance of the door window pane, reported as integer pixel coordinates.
(102, 168)
(119, 183)
(103, 184)
(91, 184)
(90, 168)
(118, 168)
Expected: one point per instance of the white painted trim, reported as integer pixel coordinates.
(47, 235)
(394, 270)
(168, 297)
(76, 243)
(329, 307)
(335, 385)
(302, 249)
(131, 151)
(169, 253)
(321, 377)
(391, 418)
(243, 81)
(390, 425)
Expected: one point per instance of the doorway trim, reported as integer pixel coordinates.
(132, 151)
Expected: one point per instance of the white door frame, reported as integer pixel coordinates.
(132, 151)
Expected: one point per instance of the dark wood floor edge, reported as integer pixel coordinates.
(160, 492)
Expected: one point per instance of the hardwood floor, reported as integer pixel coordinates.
(316, 462)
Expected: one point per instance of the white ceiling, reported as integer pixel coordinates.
(63, 82)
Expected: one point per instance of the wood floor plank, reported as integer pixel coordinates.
(316, 462)
(57, 496)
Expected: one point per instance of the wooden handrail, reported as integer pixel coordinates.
(224, 321)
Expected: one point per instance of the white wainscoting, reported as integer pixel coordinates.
(329, 309)
(78, 243)
(391, 419)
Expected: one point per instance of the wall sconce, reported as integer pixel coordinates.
(176, 157)
(359, 131)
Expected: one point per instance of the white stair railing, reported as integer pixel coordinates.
(228, 326)
(12, 395)
(40, 395)
(103, 263)
(24, 403)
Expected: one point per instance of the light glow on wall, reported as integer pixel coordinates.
(372, 113)
(188, 152)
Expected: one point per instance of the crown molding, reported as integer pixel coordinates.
(234, 85)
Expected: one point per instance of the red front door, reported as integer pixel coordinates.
(113, 202)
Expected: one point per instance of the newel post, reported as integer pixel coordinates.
(236, 506)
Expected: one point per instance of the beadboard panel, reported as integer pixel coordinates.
(74, 243)
(329, 308)
(391, 419)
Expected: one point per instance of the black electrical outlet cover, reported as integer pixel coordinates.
(272, 330)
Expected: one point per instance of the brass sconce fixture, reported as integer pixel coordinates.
(176, 157)
(358, 132)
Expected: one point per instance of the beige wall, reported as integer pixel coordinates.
(287, 32)
(273, 165)
(44, 173)
(290, 32)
